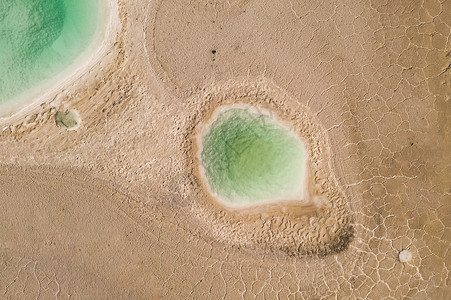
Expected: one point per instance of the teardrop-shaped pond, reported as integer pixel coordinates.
(248, 157)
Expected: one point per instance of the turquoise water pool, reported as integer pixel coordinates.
(248, 158)
(39, 39)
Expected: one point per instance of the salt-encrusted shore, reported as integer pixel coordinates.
(47, 91)
(117, 209)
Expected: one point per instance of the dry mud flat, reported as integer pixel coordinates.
(116, 208)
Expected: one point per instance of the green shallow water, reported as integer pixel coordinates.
(249, 158)
(39, 39)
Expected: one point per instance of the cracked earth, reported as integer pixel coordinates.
(117, 209)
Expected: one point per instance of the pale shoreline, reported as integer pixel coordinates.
(46, 92)
(302, 197)
(117, 209)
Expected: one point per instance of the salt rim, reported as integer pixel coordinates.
(103, 39)
(203, 129)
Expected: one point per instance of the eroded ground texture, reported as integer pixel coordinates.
(116, 209)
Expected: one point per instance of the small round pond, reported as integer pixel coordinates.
(247, 157)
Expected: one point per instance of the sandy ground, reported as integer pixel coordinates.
(116, 208)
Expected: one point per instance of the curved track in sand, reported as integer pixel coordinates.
(371, 79)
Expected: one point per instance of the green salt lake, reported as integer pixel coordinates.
(249, 158)
(41, 38)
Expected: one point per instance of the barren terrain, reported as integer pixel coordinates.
(117, 208)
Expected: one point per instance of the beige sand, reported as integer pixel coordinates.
(116, 208)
